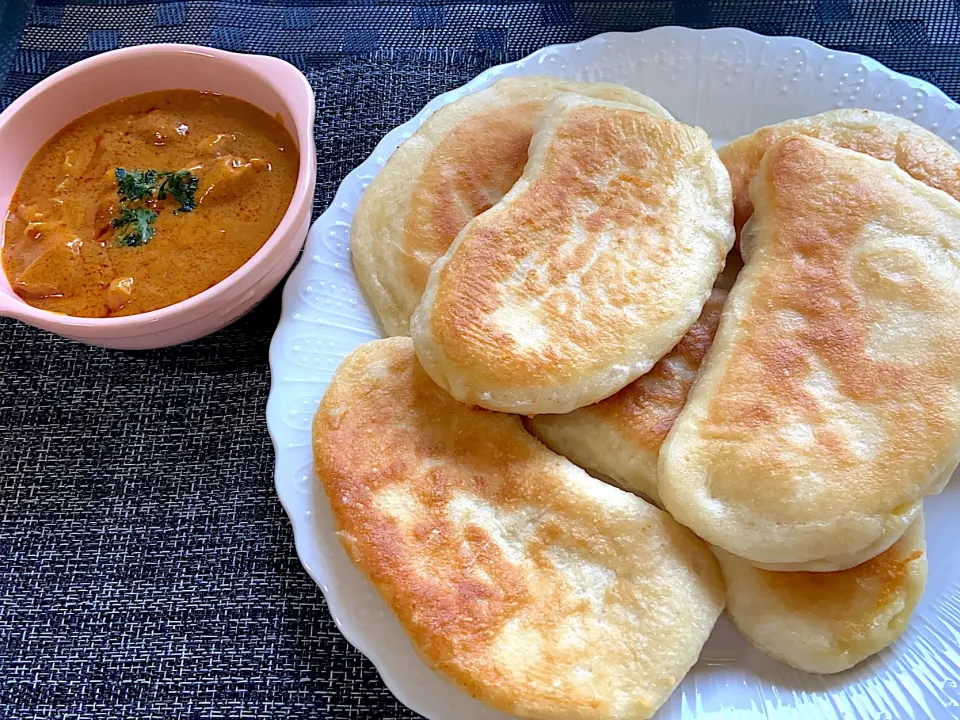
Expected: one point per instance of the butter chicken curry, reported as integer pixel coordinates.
(145, 202)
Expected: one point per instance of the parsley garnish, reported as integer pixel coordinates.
(181, 186)
(135, 184)
(134, 226)
(136, 188)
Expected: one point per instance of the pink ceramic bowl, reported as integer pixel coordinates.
(273, 85)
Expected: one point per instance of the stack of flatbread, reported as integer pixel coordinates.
(596, 427)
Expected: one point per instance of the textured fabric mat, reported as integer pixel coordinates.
(146, 567)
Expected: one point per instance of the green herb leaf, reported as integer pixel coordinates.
(134, 227)
(135, 184)
(135, 188)
(182, 187)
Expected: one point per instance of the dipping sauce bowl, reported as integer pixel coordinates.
(273, 85)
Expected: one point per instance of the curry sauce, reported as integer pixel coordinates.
(211, 178)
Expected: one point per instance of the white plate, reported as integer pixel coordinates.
(729, 82)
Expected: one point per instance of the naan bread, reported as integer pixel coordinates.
(534, 587)
(829, 403)
(588, 271)
(619, 438)
(828, 622)
(886, 137)
(461, 161)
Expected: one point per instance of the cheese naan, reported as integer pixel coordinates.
(919, 152)
(588, 271)
(534, 587)
(461, 161)
(829, 402)
(826, 622)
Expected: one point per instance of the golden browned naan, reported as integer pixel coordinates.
(588, 271)
(534, 587)
(828, 622)
(829, 403)
(619, 438)
(461, 161)
(886, 137)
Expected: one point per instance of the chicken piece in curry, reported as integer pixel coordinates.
(147, 201)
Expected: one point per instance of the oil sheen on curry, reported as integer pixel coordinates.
(145, 202)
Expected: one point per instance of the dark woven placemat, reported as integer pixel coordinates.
(146, 567)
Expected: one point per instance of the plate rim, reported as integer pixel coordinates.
(302, 538)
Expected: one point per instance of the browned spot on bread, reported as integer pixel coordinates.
(619, 438)
(471, 169)
(645, 410)
(920, 153)
(834, 595)
(826, 622)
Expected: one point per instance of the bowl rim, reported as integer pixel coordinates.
(267, 67)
